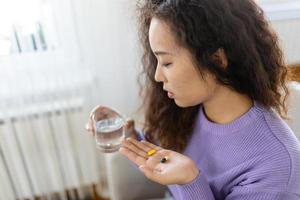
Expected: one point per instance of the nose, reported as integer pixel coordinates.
(159, 76)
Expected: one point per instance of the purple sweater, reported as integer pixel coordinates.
(255, 157)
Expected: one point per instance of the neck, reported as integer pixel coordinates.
(226, 105)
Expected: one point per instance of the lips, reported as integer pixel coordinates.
(170, 95)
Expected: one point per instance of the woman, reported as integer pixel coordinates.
(216, 92)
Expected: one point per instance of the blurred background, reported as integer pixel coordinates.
(59, 59)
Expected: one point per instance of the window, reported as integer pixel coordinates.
(281, 9)
(26, 26)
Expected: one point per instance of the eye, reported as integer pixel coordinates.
(166, 64)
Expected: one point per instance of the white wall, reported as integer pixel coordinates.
(289, 32)
(285, 18)
(108, 37)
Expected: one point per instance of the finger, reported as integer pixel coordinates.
(134, 148)
(129, 128)
(89, 124)
(143, 146)
(150, 145)
(97, 108)
(87, 127)
(101, 112)
(129, 123)
(90, 128)
(138, 160)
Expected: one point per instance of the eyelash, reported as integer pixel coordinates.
(166, 65)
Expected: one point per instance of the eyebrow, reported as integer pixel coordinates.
(162, 53)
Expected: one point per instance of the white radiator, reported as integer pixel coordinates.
(45, 150)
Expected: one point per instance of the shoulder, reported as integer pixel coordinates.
(271, 154)
(285, 151)
(281, 131)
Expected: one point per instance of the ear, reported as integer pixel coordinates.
(220, 57)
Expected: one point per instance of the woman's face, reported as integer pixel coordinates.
(176, 70)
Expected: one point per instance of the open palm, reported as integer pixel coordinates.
(178, 169)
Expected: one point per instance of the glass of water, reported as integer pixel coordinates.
(109, 131)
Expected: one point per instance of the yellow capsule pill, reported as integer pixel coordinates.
(151, 152)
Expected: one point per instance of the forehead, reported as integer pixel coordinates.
(161, 36)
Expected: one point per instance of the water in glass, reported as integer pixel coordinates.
(109, 134)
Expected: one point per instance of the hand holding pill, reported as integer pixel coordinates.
(160, 165)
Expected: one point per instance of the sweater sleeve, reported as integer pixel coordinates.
(260, 194)
(197, 189)
(140, 135)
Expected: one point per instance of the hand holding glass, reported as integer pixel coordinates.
(109, 129)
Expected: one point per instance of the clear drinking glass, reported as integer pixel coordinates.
(109, 131)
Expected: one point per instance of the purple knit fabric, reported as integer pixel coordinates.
(255, 157)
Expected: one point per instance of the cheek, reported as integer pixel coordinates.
(195, 91)
(205, 90)
(199, 93)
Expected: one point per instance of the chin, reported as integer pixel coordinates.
(185, 104)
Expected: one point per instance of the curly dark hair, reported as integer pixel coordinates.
(255, 68)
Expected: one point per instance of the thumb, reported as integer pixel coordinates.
(129, 128)
(129, 124)
(90, 127)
